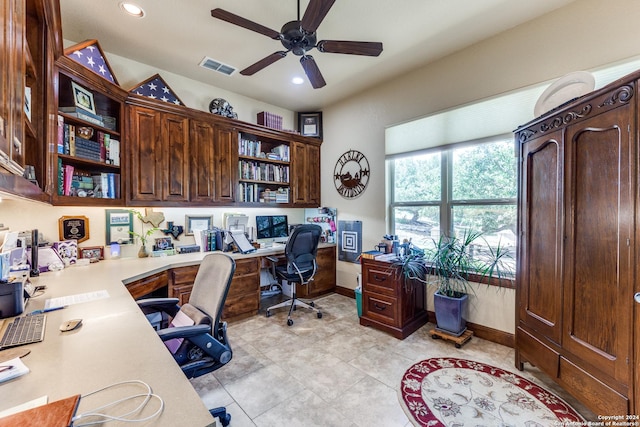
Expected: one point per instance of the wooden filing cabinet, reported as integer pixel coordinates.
(244, 294)
(389, 305)
(325, 278)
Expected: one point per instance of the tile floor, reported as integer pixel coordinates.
(331, 371)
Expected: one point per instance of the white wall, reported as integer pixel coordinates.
(583, 35)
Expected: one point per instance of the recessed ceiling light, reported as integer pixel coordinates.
(132, 9)
(297, 80)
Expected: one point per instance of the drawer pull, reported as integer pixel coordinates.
(379, 278)
(380, 307)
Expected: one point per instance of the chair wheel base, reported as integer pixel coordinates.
(319, 315)
(289, 322)
(222, 415)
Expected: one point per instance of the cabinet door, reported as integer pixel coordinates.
(145, 174)
(325, 278)
(175, 148)
(540, 258)
(202, 160)
(599, 222)
(225, 163)
(5, 77)
(305, 161)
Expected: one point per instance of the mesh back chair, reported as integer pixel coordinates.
(197, 337)
(300, 268)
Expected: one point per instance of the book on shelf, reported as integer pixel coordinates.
(60, 144)
(82, 115)
(114, 151)
(68, 177)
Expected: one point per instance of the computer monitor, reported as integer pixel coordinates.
(274, 227)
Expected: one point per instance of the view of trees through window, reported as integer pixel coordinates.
(457, 189)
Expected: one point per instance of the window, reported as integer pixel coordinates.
(458, 188)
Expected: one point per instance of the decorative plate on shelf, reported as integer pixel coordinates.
(566, 88)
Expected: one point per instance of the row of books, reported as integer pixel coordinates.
(80, 183)
(82, 114)
(270, 120)
(252, 193)
(251, 148)
(104, 149)
(257, 171)
(206, 239)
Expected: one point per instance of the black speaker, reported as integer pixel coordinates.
(35, 271)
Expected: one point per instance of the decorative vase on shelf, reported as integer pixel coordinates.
(142, 253)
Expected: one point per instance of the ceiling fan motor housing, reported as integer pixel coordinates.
(295, 39)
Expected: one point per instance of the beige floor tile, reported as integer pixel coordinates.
(332, 371)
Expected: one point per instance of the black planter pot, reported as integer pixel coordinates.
(449, 312)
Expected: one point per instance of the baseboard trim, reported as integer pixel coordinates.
(481, 331)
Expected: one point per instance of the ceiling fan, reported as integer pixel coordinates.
(299, 37)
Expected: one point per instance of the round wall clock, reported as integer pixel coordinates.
(351, 174)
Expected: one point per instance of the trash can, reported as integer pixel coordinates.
(358, 292)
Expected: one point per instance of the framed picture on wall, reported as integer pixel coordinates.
(310, 124)
(119, 225)
(83, 98)
(194, 222)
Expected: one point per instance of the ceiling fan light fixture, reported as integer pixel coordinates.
(132, 9)
(297, 80)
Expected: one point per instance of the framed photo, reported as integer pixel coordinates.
(119, 225)
(83, 98)
(92, 252)
(310, 124)
(193, 222)
(163, 243)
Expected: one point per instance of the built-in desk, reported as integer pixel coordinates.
(114, 344)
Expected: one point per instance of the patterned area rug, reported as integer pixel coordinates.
(459, 392)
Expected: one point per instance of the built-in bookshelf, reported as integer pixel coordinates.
(264, 170)
(88, 143)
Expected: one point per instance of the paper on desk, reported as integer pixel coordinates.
(75, 299)
(11, 369)
(42, 400)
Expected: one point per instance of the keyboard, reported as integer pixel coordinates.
(24, 330)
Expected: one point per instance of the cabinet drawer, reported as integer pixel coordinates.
(247, 266)
(537, 353)
(241, 304)
(381, 308)
(182, 275)
(380, 280)
(599, 397)
(244, 285)
(145, 286)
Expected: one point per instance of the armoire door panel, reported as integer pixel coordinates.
(540, 299)
(599, 224)
(202, 160)
(226, 150)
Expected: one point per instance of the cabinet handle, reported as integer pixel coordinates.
(636, 297)
(379, 278)
(380, 307)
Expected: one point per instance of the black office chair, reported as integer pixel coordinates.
(300, 253)
(202, 347)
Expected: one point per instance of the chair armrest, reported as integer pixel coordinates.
(183, 332)
(273, 258)
(153, 305)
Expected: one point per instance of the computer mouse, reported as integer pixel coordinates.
(70, 325)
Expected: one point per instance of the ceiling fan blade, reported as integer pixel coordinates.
(245, 23)
(264, 62)
(312, 71)
(350, 48)
(315, 13)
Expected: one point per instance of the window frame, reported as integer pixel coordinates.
(446, 202)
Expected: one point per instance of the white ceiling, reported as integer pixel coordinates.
(176, 35)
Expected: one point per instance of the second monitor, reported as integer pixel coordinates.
(272, 227)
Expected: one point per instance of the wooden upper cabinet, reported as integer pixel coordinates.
(175, 148)
(305, 163)
(212, 163)
(158, 156)
(145, 154)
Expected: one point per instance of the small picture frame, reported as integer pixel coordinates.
(119, 224)
(83, 98)
(310, 124)
(197, 222)
(162, 244)
(92, 252)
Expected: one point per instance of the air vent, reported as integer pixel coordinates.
(218, 66)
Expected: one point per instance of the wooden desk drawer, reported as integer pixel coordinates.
(244, 285)
(145, 286)
(380, 280)
(381, 308)
(182, 275)
(247, 266)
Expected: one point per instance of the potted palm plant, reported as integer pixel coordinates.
(450, 265)
(143, 235)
